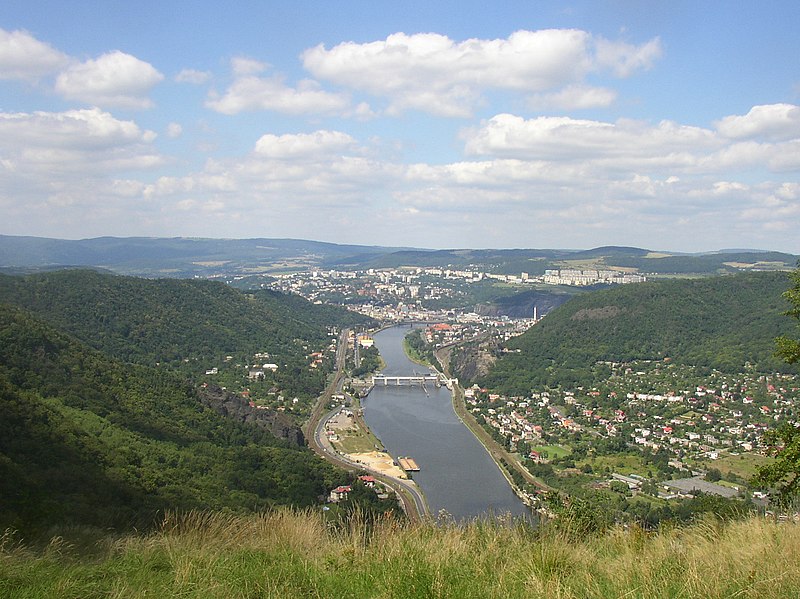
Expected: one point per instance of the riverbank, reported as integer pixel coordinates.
(499, 454)
(458, 476)
(514, 472)
(410, 497)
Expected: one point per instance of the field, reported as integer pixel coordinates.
(552, 451)
(743, 465)
(622, 463)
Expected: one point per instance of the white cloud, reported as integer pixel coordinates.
(250, 92)
(243, 66)
(174, 130)
(22, 56)
(115, 79)
(773, 122)
(193, 76)
(624, 59)
(305, 146)
(568, 139)
(70, 172)
(75, 142)
(432, 73)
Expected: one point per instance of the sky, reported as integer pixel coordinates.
(512, 124)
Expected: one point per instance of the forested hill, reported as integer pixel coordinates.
(724, 322)
(103, 421)
(187, 324)
(85, 439)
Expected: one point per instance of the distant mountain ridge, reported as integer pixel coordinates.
(183, 257)
(179, 256)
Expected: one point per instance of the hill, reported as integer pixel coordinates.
(174, 257)
(244, 259)
(86, 439)
(105, 422)
(727, 323)
(182, 324)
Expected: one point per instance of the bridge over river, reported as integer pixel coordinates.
(421, 379)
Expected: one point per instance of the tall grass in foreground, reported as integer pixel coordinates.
(298, 554)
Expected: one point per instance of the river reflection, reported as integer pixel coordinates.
(457, 474)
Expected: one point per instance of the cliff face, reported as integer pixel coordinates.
(521, 305)
(239, 409)
(469, 362)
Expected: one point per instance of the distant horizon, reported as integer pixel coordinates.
(413, 248)
(452, 124)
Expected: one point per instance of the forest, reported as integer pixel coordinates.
(103, 421)
(727, 323)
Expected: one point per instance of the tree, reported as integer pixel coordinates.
(788, 348)
(783, 473)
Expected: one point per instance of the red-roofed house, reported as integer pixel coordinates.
(340, 493)
(367, 480)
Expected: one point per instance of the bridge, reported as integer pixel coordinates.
(417, 379)
(382, 379)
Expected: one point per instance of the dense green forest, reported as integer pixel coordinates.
(94, 432)
(727, 323)
(189, 325)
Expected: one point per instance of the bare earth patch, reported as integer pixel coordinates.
(380, 462)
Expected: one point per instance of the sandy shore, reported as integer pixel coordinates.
(380, 462)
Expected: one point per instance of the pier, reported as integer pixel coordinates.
(408, 464)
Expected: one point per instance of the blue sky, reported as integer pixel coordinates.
(665, 125)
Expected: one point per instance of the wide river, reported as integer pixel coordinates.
(456, 472)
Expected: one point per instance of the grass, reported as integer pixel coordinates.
(743, 465)
(622, 463)
(355, 440)
(298, 554)
(553, 451)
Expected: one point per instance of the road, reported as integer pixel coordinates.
(408, 493)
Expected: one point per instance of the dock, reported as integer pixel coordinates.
(408, 464)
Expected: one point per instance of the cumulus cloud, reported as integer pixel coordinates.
(565, 138)
(75, 141)
(432, 73)
(774, 122)
(115, 79)
(72, 172)
(624, 59)
(319, 144)
(22, 56)
(250, 92)
(174, 130)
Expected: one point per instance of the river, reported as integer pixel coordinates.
(456, 473)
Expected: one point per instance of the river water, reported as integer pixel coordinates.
(456, 473)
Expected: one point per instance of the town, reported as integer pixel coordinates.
(651, 425)
(416, 293)
(654, 430)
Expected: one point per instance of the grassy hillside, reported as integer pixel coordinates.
(89, 440)
(291, 554)
(727, 323)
